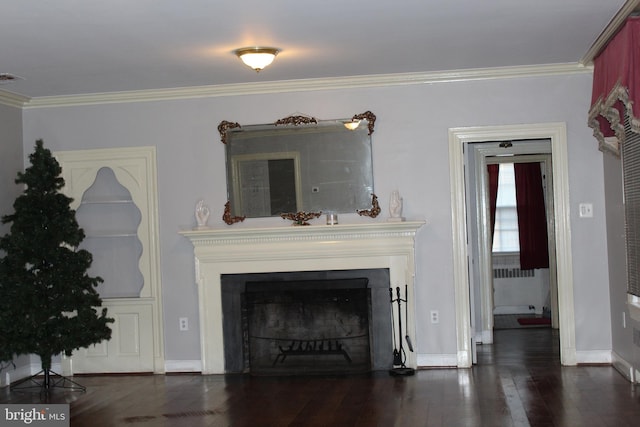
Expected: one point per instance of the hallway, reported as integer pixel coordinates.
(518, 382)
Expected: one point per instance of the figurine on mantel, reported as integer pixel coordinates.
(202, 215)
(395, 207)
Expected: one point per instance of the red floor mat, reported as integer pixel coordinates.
(534, 321)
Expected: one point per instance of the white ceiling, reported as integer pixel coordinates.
(67, 47)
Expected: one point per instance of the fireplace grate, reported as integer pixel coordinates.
(323, 347)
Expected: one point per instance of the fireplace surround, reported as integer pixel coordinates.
(244, 250)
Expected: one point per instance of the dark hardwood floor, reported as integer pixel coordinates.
(517, 382)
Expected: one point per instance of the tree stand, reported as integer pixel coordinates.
(47, 381)
(399, 355)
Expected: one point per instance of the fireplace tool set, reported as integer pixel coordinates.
(399, 355)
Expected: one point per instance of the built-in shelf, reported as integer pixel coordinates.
(110, 220)
(114, 196)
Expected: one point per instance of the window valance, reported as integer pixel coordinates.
(616, 87)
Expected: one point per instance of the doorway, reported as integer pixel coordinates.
(459, 138)
(498, 284)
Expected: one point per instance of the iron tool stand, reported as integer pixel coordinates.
(399, 355)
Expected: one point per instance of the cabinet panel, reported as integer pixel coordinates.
(130, 348)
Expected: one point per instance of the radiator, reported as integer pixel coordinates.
(509, 272)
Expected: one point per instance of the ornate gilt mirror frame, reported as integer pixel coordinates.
(225, 127)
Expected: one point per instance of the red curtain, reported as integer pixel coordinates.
(532, 218)
(493, 170)
(616, 86)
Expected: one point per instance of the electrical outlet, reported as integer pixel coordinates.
(183, 323)
(435, 316)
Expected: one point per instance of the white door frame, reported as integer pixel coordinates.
(557, 133)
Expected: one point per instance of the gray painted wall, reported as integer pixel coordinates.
(410, 153)
(621, 323)
(11, 158)
(11, 161)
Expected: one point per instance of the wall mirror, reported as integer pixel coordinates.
(298, 164)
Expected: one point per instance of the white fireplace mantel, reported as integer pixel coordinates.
(240, 250)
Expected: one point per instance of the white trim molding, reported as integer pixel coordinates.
(610, 30)
(437, 361)
(10, 376)
(593, 357)
(556, 132)
(13, 99)
(181, 366)
(301, 85)
(625, 368)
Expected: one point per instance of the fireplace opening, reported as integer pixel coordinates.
(311, 326)
(319, 322)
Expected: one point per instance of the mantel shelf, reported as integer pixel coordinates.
(230, 235)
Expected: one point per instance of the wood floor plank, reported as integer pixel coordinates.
(518, 382)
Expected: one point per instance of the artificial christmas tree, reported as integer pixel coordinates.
(48, 302)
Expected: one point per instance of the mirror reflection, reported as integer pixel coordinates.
(299, 164)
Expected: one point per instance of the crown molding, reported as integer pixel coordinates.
(13, 99)
(610, 30)
(302, 85)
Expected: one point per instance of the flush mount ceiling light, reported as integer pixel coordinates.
(257, 57)
(8, 78)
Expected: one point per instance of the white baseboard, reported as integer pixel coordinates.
(183, 366)
(593, 356)
(424, 361)
(437, 360)
(625, 368)
(11, 375)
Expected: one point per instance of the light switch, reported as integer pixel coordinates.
(586, 210)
